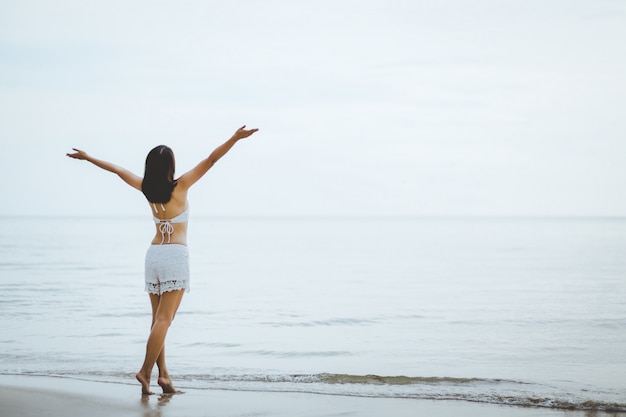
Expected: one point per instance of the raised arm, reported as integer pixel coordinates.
(192, 176)
(128, 177)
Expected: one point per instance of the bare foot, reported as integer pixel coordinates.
(145, 384)
(166, 384)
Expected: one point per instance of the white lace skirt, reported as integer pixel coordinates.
(167, 268)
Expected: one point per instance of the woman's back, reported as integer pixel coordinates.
(170, 219)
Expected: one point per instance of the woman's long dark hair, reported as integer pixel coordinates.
(158, 179)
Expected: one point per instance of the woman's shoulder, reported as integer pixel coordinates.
(179, 195)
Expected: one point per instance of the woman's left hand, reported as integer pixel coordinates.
(78, 154)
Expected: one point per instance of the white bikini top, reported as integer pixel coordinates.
(166, 225)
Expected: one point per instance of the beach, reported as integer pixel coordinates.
(428, 222)
(35, 396)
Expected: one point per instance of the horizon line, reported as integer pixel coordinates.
(336, 216)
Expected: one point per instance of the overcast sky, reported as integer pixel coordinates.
(435, 107)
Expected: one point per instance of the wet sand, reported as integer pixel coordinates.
(33, 396)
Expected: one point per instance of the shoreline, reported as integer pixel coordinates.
(35, 396)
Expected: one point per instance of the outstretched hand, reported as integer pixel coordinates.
(242, 133)
(78, 154)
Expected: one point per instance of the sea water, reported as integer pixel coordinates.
(523, 311)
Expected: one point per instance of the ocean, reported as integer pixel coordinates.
(517, 311)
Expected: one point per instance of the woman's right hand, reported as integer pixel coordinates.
(242, 133)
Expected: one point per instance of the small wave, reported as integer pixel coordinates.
(402, 380)
(298, 354)
(126, 314)
(340, 321)
(318, 323)
(326, 378)
(482, 390)
(213, 344)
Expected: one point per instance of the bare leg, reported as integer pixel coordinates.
(166, 306)
(164, 376)
(145, 385)
(165, 381)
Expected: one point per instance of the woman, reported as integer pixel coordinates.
(167, 259)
